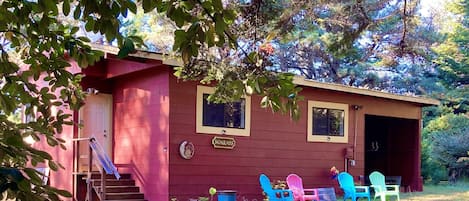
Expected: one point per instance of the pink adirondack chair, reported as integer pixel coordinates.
(295, 184)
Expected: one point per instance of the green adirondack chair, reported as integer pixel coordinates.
(381, 189)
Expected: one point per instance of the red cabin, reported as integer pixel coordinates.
(174, 144)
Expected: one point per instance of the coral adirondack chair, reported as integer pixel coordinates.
(349, 188)
(274, 194)
(295, 184)
(382, 190)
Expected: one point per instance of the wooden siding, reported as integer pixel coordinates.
(277, 145)
(61, 178)
(141, 110)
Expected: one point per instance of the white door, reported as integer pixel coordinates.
(96, 119)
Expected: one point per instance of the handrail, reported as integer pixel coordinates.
(81, 139)
(106, 166)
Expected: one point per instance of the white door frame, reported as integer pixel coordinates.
(107, 135)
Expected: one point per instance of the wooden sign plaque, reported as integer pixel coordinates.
(223, 142)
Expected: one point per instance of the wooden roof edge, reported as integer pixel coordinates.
(166, 59)
(367, 92)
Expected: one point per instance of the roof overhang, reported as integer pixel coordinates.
(298, 80)
(166, 59)
(366, 92)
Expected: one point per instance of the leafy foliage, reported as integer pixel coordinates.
(446, 133)
(239, 47)
(39, 34)
(445, 140)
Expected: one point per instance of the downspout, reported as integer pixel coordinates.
(356, 108)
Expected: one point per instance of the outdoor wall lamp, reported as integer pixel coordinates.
(357, 107)
(92, 91)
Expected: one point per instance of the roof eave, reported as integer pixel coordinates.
(166, 59)
(367, 92)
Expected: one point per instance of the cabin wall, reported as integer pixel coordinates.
(277, 145)
(141, 111)
(61, 178)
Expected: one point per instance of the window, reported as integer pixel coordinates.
(28, 113)
(225, 118)
(327, 122)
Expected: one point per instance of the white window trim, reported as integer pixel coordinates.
(28, 118)
(201, 129)
(322, 138)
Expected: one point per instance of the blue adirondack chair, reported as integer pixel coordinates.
(382, 190)
(274, 194)
(350, 190)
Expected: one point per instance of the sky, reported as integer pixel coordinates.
(428, 5)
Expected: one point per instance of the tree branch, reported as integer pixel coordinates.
(404, 31)
(227, 33)
(14, 31)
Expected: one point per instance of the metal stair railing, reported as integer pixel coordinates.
(104, 164)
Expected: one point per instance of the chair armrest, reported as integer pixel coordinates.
(377, 188)
(392, 188)
(364, 188)
(310, 189)
(283, 192)
(314, 190)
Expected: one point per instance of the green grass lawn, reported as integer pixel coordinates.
(456, 192)
(442, 192)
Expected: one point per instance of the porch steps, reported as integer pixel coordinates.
(123, 189)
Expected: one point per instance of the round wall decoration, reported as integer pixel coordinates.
(186, 150)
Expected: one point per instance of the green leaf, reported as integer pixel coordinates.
(53, 165)
(51, 142)
(74, 30)
(217, 5)
(179, 39)
(15, 140)
(265, 102)
(178, 16)
(77, 13)
(186, 55)
(220, 25)
(66, 7)
(63, 193)
(230, 16)
(23, 185)
(149, 5)
(132, 6)
(42, 154)
(188, 5)
(127, 48)
(89, 26)
(34, 175)
(210, 37)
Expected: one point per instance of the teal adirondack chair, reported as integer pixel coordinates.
(350, 190)
(274, 194)
(381, 189)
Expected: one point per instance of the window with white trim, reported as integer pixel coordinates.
(28, 113)
(327, 122)
(222, 118)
